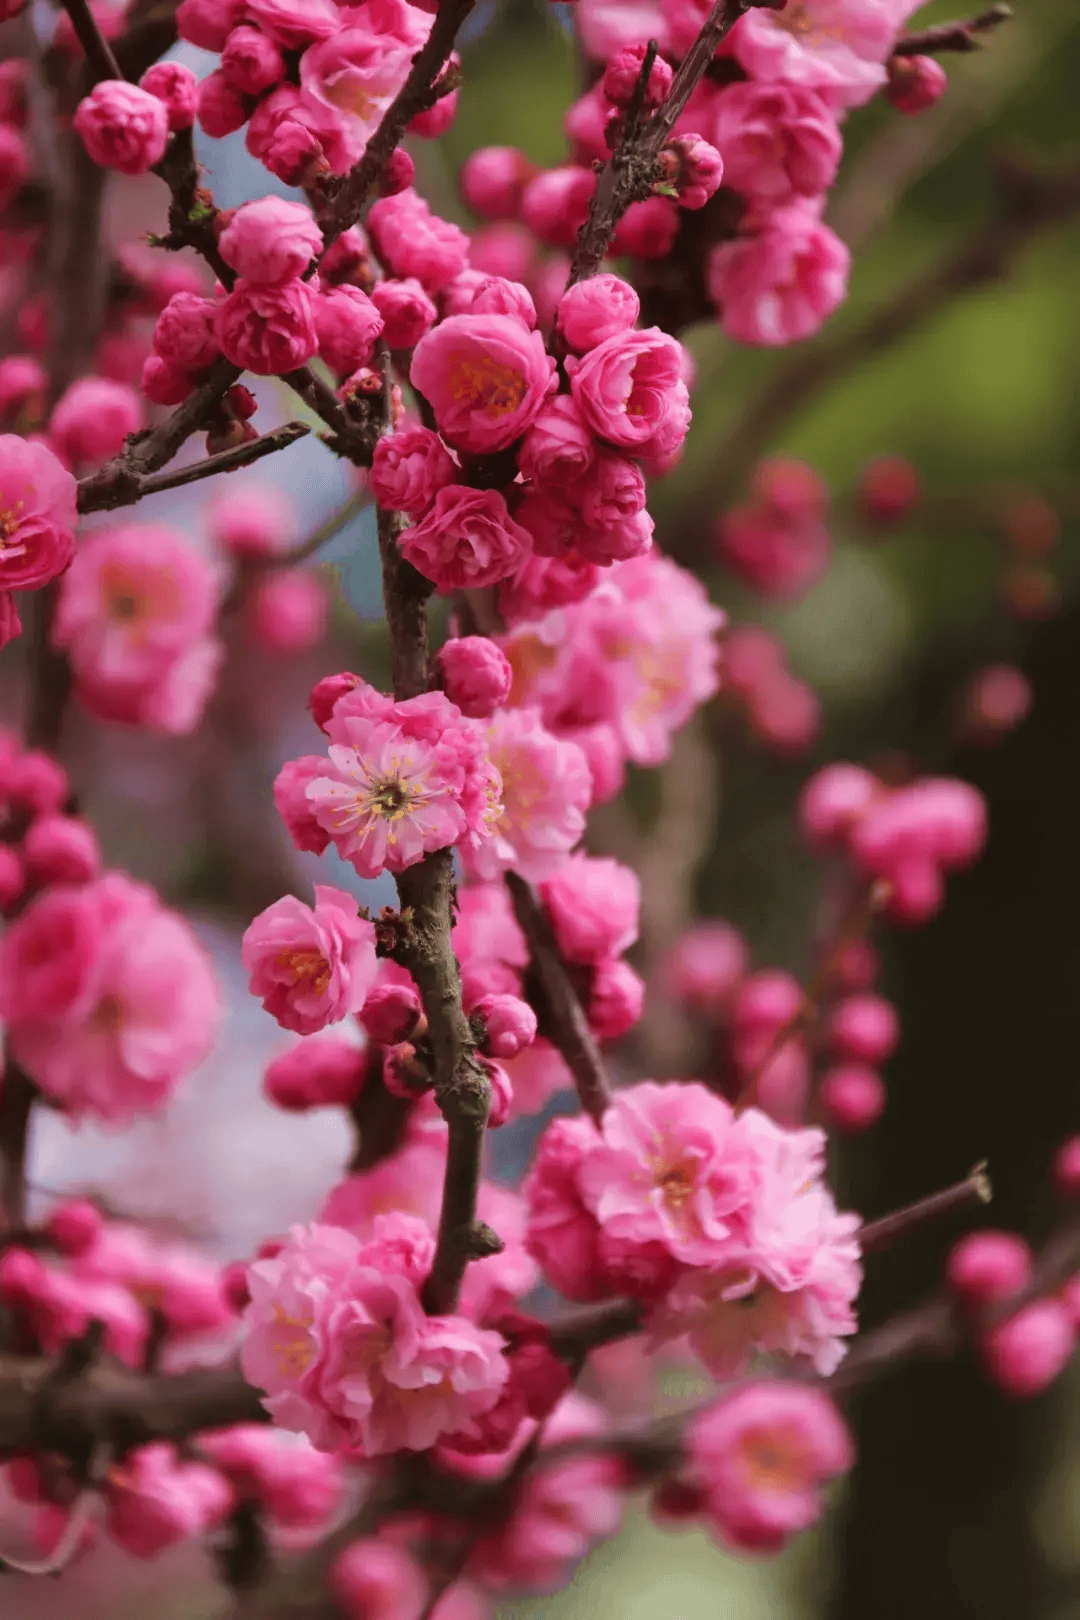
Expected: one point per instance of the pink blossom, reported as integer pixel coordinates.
(310, 968)
(347, 324)
(558, 446)
(562, 1508)
(485, 377)
(616, 998)
(291, 801)
(175, 86)
(123, 127)
(623, 75)
(155, 1500)
(630, 387)
(647, 230)
(298, 1487)
(324, 1071)
(593, 903)
(546, 790)
(987, 1268)
(406, 310)
(356, 73)
(412, 241)
(555, 203)
(184, 334)
(61, 849)
(761, 1455)
(476, 675)
(345, 1352)
(74, 1226)
(852, 1096)
(915, 83)
(222, 110)
(499, 250)
(706, 967)
(492, 179)
(832, 801)
(698, 169)
(108, 997)
(778, 141)
(500, 295)
(607, 26)
(1024, 1355)
(255, 520)
(93, 417)
(509, 1024)
(37, 515)
(162, 383)
(251, 61)
(410, 466)
(289, 610)
(292, 138)
(270, 241)
(779, 285)
(592, 311)
(780, 556)
(864, 1027)
(466, 539)
(295, 23)
(374, 1579)
(23, 381)
(392, 1013)
(207, 23)
(267, 329)
(543, 583)
(836, 46)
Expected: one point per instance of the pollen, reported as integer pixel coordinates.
(485, 383)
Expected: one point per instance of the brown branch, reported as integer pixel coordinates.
(17, 1097)
(341, 206)
(572, 1336)
(147, 39)
(952, 36)
(975, 1189)
(629, 173)
(103, 63)
(562, 1019)
(121, 485)
(1031, 203)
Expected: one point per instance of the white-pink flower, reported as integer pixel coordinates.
(310, 967)
(546, 790)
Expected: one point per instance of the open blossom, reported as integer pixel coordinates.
(409, 468)
(546, 791)
(412, 241)
(779, 285)
(761, 1456)
(310, 967)
(270, 241)
(267, 329)
(107, 996)
(837, 46)
(357, 72)
(596, 309)
(154, 1499)
(338, 1339)
(631, 391)
(297, 1486)
(593, 904)
(558, 445)
(37, 514)
(486, 378)
(466, 539)
(123, 127)
(778, 141)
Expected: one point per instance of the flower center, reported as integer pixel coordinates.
(107, 1016)
(676, 1185)
(10, 520)
(485, 383)
(308, 968)
(798, 18)
(776, 1460)
(291, 1343)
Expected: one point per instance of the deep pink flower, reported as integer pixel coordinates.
(492, 179)
(356, 73)
(289, 610)
(594, 310)
(374, 1579)
(555, 203)
(466, 539)
(155, 1500)
(593, 903)
(406, 309)
(648, 229)
(207, 23)
(706, 967)
(915, 83)
(546, 790)
(778, 141)
(222, 110)
(109, 999)
(323, 1071)
(37, 515)
(290, 798)
(347, 324)
(779, 286)
(61, 849)
(267, 329)
(298, 1487)
(476, 675)
(761, 1456)
(310, 968)
(123, 127)
(616, 998)
(485, 377)
(409, 468)
(93, 417)
(184, 334)
(176, 87)
(14, 163)
(623, 74)
(293, 138)
(251, 61)
(630, 387)
(270, 241)
(295, 23)
(255, 520)
(412, 241)
(558, 446)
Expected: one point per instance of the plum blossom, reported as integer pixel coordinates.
(486, 378)
(466, 539)
(310, 967)
(37, 514)
(546, 790)
(836, 46)
(779, 285)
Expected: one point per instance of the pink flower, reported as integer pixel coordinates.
(780, 285)
(255, 520)
(108, 997)
(778, 141)
(206, 23)
(251, 62)
(347, 324)
(270, 241)
(492, 179)
(222, 110)
(476, 675)
(409, 468)
(616, 998)
(293, 139)
(499, 295)
(648, 229)
(184, 334)
(761, 1456)
(123, 127)
(706, 967)
(561, 1509)
(594, 310)
(175, 87)
(406, 309)
(356, 73)
(852, 1096)
(298, 1486)
(343, 1349)
(837, 46)
(295, 23)
(630, 389)
(485, 377)
(23, 381)
(93, 417)
(288, 611)
(555, 203)
(324, 1071)
(412, 241)
(1024, 1355)
(623, 74)
(546, 790)
(593, 903)
(987, 1268)
(558, 446)
(310, 968)
(154, 1500)
(698, 169)
(374, 1579)
(291, 800)
(915, 83)
(509, 1024)
(466, 539)
(37, 515)
(61, 849)
(267, 330)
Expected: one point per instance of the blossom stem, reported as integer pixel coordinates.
(563, 1021)
(960, 35)
(973, 1190)
(118, 486)
(103, 63)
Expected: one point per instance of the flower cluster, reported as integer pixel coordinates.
(777, 540)
(721, 1225)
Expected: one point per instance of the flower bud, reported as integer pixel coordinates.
(392, 1013)
(509, 1023)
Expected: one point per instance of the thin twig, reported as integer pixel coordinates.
(17, 1096)
(119, 486)
(563, 1021)
(975, 1189)
(961, 35)
(103, 63)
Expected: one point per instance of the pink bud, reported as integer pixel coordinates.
(177, 88)
(407, 311)
(37, 782)
(399, 173)
(21, 1276)
(392, 1013)
(915, 83)
(987, 1267)
(74, 1226)
(998, 698)
(648, 229)
(288, 610)
(865, 1027)
(707, 966)
(832, 801)
(555, 204)
(222, 109)
(888, 489)
(596, 309)
(1067, 1168)
(251, 61)
(699, 169)
(616, 997)
(325, 693)
(377, 1580)
(1024, 1355)
(234, 1284)
(61, 849)
(12, 880)
(476, 675)
(492, 179)
(122, 126)
(403, 1073)
(624, 71)
(321, 1071)
(853, 1096)
(510, 1024)
(502, 1094)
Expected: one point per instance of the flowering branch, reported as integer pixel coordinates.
(118, 485)
(953, 36)
(562, 1019)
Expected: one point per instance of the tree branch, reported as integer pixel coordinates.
(562, 1020)
(952, 36)
(118, 484)
(103, 63)
(17, 1096)
(975, 1189)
